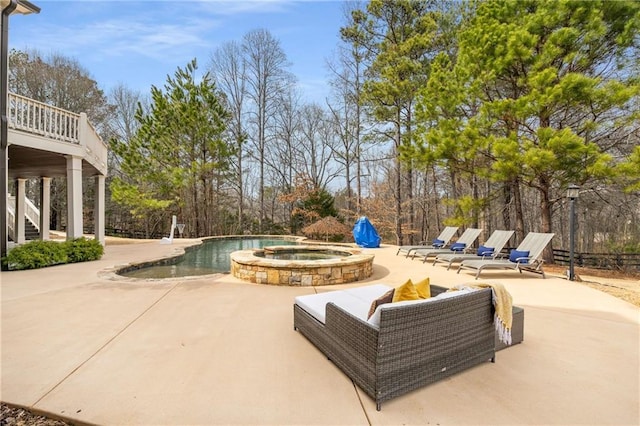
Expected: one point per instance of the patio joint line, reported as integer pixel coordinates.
(105, 345)
(364, 410)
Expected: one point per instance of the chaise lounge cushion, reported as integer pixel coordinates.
(458, 246)
(485, 251)
(518, 254)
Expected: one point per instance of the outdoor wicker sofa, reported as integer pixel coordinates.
(414, 344)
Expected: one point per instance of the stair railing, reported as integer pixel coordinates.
(11, 202)
(31, 212)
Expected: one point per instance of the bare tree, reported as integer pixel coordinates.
(346, 114)
(280, 157)
(123, 123)
(267, 77)
(228, 65)
(315, 150)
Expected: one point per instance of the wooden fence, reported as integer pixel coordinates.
(611, 261)
(114, 232)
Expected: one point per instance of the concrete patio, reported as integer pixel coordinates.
(215, 350)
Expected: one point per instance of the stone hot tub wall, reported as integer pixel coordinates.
(248, 267)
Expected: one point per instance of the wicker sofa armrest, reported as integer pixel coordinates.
(353, 331)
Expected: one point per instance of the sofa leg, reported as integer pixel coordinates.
(493, 359)
(378, 406)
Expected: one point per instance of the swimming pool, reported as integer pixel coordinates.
(211, 257)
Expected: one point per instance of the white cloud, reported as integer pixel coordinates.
(140, 42)
(118, 37)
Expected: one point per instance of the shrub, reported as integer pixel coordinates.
(83, 250)
(39, 254)
(36, 254)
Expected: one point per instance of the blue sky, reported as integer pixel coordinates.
(139, 42)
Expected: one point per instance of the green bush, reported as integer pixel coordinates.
(39, 254)
(36, 254)
(83, 250)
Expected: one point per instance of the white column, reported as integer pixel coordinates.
(45, 207)
(4, 201)
(98, 211)
(20, 211)
(74, 197)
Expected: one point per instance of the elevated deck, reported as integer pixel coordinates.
(44, 142)
(41, 137)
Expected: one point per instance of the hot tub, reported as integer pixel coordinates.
(302, 265)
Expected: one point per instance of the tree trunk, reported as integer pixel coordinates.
(398, 188)
(507, 192)
(517, 202)
(545, 217)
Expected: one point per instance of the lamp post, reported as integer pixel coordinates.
(573, 191)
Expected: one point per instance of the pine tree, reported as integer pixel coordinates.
(178, 159)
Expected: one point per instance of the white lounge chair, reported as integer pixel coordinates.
(489, 249)
(468, 237)
(519, 260)
(442, 240)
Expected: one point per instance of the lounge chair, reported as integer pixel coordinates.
(490, 249)
(468, 237)
(527, 257)
(442, 240)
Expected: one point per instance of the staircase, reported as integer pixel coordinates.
(32, 217)
(30, 231)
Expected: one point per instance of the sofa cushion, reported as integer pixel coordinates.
(368, 292)
(385, 298)
(423, 288)
(356, 301)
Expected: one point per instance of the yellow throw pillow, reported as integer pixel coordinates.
(406, 291)
(423, 288)
(385, 298)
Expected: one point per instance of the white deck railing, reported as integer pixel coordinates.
(41, 119)
(38, 118)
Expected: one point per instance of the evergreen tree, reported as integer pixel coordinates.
(178, 158)
(398, 36)
(545, 92)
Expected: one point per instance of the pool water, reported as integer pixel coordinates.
(303, 254)
(210, 257)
